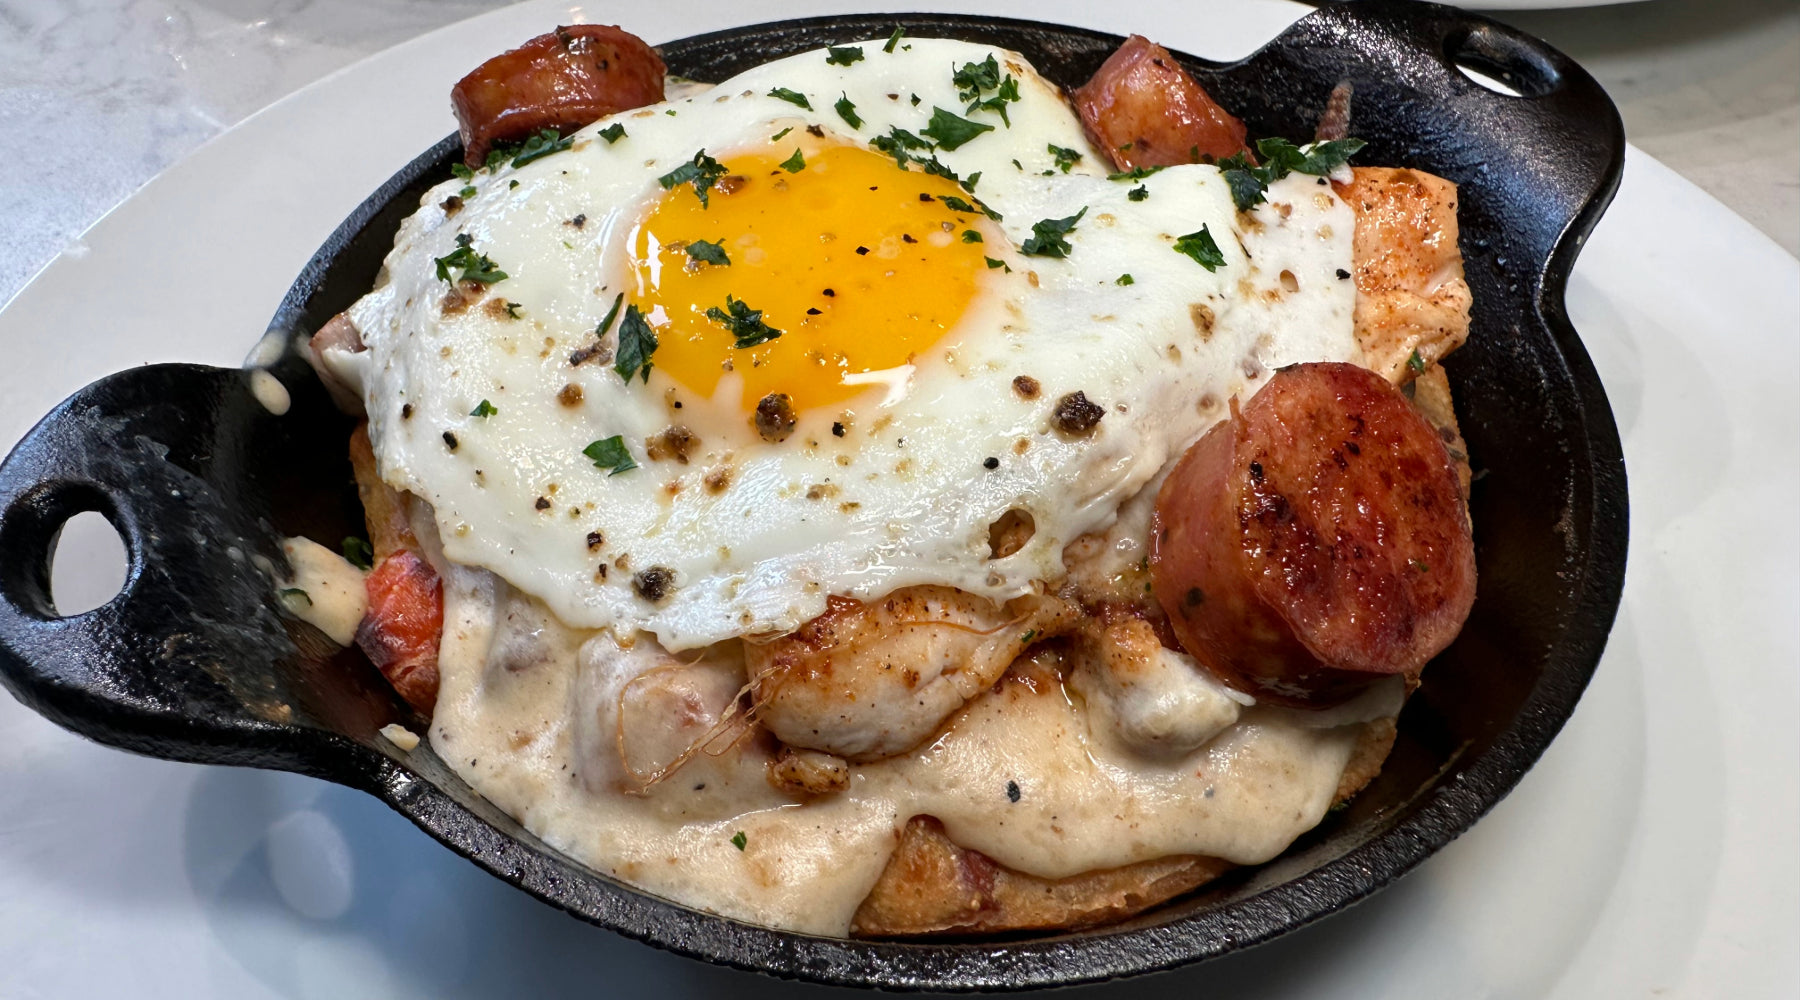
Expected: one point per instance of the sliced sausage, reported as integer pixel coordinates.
(1315, 541)
(562, 80)
(1144, 110)
(400, 633)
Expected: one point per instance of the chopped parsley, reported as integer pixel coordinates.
(1047, 237)
(708, 253)
(792, 97)
(512, 310)
(1138, 193)
(955, 204)
(971, 236)
(1416, 363)
(1124, 279)
(843, 55)
(296, 594)
(1065, 157)
(484, 409)
(1134, 174)
(1009, 91)
(542, 144)
(950, 131)
(702, 171)
(847, 111)
(974, 79)
(968, 183)
(462, 172)
(746, 324)
(469, 265)
(794, 164)
(468, 191)
(738, 840)
(992, 263)
(1028, 636)
(606, 321)
(1200, 246)
(1250, 183)
(777, 136)
(636, 343)
(358, 552)
(896, 143)
(612, 133)
(610, 453)
(894, 39)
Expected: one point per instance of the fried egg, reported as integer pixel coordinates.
(892, 305)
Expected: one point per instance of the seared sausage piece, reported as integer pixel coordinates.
(1144, 110)
(562, 80)
(1315, 541)
(401, 630)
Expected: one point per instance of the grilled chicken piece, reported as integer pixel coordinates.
(866, 681)
(1410, 292)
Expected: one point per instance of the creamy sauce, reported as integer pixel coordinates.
(269, 391)
(333, 598)
(541, 739)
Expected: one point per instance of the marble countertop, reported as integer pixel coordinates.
(1710, 88)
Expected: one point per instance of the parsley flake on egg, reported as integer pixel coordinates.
(951, 131)
(611, 453)
(709, 253)
(636, 343)
(702, 171)
(1047, 237)
(746, 324)
(793, 97)
(469, 265)
(1200, 246)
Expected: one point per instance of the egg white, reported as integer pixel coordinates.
(904, 496)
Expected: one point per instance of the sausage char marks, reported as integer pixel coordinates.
(561, 80)
(1315, 541)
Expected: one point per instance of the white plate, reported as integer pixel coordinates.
(1650, 853)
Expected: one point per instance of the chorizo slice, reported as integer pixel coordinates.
(400, 633)
(561, 80)
(1315, 541)
(1143, 110)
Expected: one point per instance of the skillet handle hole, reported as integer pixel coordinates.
(62, 553)
(1502, 63)
(88, 564)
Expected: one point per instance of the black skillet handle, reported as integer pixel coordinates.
(190, 661)
(1537, 169)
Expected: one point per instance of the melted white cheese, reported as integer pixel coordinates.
(542, 741)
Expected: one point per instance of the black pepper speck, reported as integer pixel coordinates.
(450, 440)
(1012, 791)
(990, 463)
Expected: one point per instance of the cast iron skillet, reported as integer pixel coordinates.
(193, 661)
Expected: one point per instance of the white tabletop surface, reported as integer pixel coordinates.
(305, 887)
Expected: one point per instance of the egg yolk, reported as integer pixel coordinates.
(860, 264)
